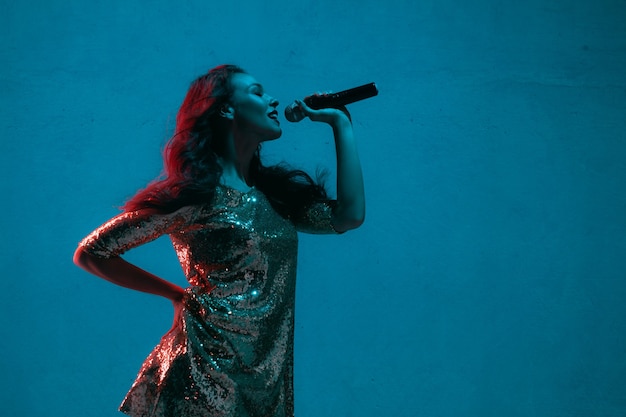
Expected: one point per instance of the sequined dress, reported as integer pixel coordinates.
(232, 354)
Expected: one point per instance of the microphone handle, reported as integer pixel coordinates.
(342, 98)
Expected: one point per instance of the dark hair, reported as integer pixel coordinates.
(190, 158)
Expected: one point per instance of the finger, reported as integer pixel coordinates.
(304, 108)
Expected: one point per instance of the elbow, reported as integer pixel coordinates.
(84, 259)
(357, 220)
(91, 263)
(349, 223)
(79, 257)
(348, 216)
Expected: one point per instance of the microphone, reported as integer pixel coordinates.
(294, 114)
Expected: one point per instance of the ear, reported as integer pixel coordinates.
(227, 111)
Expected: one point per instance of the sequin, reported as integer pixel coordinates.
(232, 355)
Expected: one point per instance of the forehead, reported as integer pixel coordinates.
(242, 81)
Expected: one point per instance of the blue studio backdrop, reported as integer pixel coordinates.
(489, 278)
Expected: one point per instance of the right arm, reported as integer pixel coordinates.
(99, 253)
(125, 274)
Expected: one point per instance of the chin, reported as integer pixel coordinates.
(275, 135)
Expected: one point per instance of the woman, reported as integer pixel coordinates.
(233, 224)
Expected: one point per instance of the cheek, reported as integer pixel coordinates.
(252, 110)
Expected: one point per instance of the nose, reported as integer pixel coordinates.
(273, 102)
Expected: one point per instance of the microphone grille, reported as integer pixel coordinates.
(293, 113)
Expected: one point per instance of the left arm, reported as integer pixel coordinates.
(349, 212)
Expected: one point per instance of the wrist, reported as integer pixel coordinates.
(340, 120)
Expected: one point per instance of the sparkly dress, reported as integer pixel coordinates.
(232, 354)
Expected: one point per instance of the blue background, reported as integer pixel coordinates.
(490, 276)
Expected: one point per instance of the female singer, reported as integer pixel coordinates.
(233, 223)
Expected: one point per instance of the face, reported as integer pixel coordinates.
(252, 110)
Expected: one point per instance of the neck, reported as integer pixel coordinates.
(236, 160)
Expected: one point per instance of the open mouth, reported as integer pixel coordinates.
(273, 115)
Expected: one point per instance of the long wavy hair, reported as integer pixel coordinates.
(190, 158)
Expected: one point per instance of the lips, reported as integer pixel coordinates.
(273, 115)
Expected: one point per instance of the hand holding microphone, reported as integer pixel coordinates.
(294, 113)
